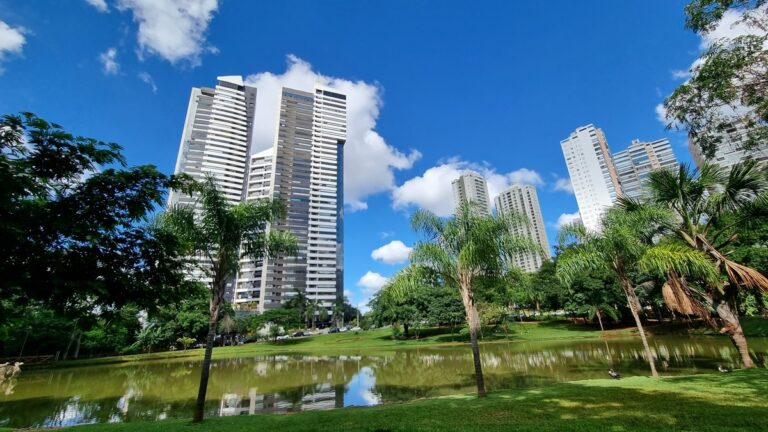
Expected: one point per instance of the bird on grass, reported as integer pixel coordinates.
(723, 369)
(614, 374)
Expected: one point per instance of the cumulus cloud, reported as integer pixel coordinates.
(11, 42)
(172, 29)
(680, 74)
(109, 63)
(433, 191)
(369, 161)
(564, 185)
(394, 252)
(148, 80)
(371, 283)
(567, 219)
(100, 5)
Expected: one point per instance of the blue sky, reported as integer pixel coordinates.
(450, 85)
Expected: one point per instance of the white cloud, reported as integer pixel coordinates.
(394, 252)
(148, 80)
(100, 5)
(680, 74)
(371, 283)
(567, 219)
(369, 162)
(173, 29)
(109, 63)
(564, 185)
(11, 41)
(432, 190)
(661, 114)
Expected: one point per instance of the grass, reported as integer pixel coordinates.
(371, 341)
(718, 402)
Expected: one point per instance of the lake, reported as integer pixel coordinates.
(288, 383)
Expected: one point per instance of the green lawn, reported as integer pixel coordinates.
(736, 401)
(378, 340)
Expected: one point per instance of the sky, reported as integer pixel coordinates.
(435, 88)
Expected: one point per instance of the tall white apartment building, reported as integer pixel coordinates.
(730, 150)
(304, 170)
(524, 200)
(472, 187)
(593, 175)
(634, 164)
(216, 140)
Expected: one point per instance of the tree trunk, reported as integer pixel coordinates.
(732, 327)
(206, 366)
(405, 328)
(599, 320)
(474, 327)
(633, 302)
(77, 345)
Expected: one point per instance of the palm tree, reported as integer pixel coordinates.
(462, 251)
(625, 246)
(217, 234)
(708, 204)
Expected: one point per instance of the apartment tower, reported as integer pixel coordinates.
(523, 200)
(593, 175)
(472, 187)
(634, 164)
(215, 141)
(730, 150)
(304, 170)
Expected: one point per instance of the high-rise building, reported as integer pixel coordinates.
(215, 142)
(593, 175)
(472, 187)
(730, 150)
(634, 164)
(524, 200)
(304, 170)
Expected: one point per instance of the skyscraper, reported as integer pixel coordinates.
(593, 175)
(524, 200)
(303, 169)
(215, 141)
(472, 187)
(634, 164)
(730, 150)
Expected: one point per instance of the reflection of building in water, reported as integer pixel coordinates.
(317, 397)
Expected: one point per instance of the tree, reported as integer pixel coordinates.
(728, 83)
(463, 251)
(709, 205)
(276, 318)
(185, 341)
(75, 235)
(625, 246)
(217, 239)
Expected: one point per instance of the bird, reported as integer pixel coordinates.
(723, 369)
(614, 374)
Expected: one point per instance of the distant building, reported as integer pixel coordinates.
(730, 150)
(472, 187)
(523, 199)
(634, 164)
(592, 172)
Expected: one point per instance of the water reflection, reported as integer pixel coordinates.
(290, 383)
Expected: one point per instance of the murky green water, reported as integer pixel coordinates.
(285, 383)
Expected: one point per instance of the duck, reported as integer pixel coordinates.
(723, 369)
(614, 374)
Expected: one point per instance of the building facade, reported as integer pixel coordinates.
(304, 170)
(215, 142)
(730, 150)
(592, 172)
(524, 200)
(634, 164)
(472, 187)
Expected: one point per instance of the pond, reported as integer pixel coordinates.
(296, 382)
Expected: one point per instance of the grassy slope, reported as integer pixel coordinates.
(732, 402)
(368, 341)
